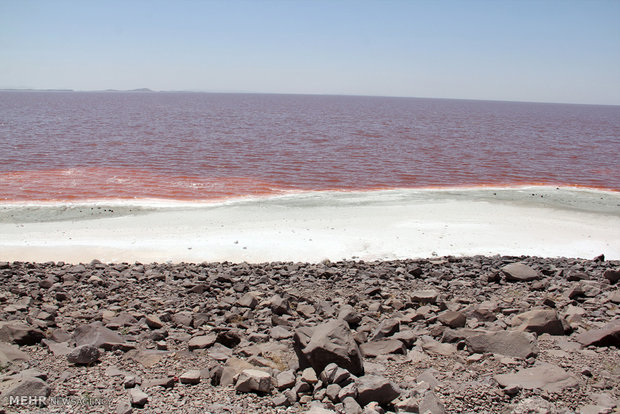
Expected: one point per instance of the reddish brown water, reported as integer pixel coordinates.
(196, 146)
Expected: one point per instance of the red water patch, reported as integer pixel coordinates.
(115, 183)
(78, 146)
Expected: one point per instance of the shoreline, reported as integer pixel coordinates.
(311, 227)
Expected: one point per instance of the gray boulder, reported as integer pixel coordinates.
(608, 335)
(19, 333)
(253, 380)
(383, 347)
(509, 343)
(376, 388)
(518, 272)
(331, 342)
(84, 354)
(540, 321)
(97, 335)
(547, 377)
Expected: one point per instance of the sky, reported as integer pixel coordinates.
(539, 50)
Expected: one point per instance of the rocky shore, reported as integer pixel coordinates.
(473, 334)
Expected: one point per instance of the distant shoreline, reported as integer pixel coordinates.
(148, 90)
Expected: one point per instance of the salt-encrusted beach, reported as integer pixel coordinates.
(398, 224)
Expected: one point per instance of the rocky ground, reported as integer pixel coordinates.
(477, 334)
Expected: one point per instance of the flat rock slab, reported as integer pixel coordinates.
(425, 296)
(609, 335)
(547, 377)
(19, 333)
(539, 321)
(383, 347)
(509, 343)
(10, 353)
(202, 341)
(97, 335)
(518, 272)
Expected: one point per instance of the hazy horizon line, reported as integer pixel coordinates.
(242, 92)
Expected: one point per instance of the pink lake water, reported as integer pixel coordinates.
(68, 146)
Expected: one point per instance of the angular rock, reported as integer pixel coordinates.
(252, 380)
(509, 343)
(248, 300)
(190, 377)
(453, 319)
(309, 376)
(547, 377)
(285, 380)
(409, 405)
(519, 272)
(138, 397)
(279, 306)
(332, 342)
(430, 404)
(612, 275)
(201, 342)
(10, 353)
(425, 296)
(435, 347)
(386, 327)
(349, 315)
(376, 388)
(123, 407)
(97, 335)
(26, 386)
(153, 322)
(351, 406)
(333, 374)
(540, 321)
(608, 335)
(83, 355)
(383, 347)
(229, 338)
(19, 333)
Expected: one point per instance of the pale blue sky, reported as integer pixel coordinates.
(551, 51)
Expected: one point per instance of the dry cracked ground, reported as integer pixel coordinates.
(476, 334)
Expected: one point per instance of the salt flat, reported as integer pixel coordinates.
(538, 221)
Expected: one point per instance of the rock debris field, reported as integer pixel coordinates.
(452, 334)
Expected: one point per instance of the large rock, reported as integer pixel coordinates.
(97, 335)
(431, 404)
(26, 387)
(138, 397)
(82, 355)
(547, 377)
(383, 347)
(453, 319)
(425, 296)
(608, 335)
(20, 333)
(10, 353)
(509, 343)
(518, 272)
(253, 380)
(376, 388)
(540, 321)
(331, 342)
(201, 342)
(386, 327)
(612, 275)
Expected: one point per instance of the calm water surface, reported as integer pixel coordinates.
(198, 146)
